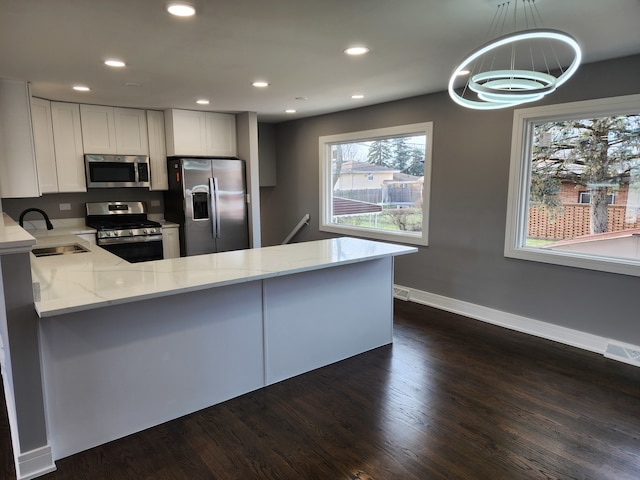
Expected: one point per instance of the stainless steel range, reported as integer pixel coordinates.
(124, 229)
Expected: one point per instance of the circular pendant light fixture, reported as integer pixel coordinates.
(515, 68)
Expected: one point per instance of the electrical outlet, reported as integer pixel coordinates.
(65, 206)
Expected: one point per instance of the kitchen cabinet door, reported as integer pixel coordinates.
(185, 132)
(220, 134)
(43, 144)
(170, 242)
(18, 171)
(98, 129)
(121, 131)
(67, 138)
(157, 150)
(196, 133)
(131, 131)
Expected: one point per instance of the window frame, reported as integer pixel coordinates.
(326, 190)
(611, 198)
(520, 177)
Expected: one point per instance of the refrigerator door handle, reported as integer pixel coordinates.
(215, 207)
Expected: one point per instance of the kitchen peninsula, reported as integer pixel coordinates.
(124, 347)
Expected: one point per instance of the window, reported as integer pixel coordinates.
(591, 149)
(585, 197)
(375, 183)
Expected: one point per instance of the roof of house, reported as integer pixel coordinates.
(346, 206)
(364, 167)
(595, 237)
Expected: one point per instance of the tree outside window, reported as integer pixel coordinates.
(575, 185)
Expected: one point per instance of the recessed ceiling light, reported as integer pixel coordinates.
(260, 84)
(181, 9)
(356, 50)
(357, 96)
(289, 110)
(202, 101)
(81, 88)
(114, 63)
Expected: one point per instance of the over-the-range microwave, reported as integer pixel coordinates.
(117, 171)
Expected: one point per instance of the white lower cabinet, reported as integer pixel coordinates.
(170, 242)
(88, 237)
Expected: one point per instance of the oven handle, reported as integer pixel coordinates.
(215, 207)
(136, 239)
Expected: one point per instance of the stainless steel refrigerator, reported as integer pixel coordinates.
(207, 198)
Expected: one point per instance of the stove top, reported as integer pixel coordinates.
(120, 223)
(121, 219)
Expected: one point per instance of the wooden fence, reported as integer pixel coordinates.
(570, 221)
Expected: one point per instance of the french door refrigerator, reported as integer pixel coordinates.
(207, 198)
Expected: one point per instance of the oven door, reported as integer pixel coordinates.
(134, 249)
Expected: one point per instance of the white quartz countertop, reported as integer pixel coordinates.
(82, 281)
(13, 238)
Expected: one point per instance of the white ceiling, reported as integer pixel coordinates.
(296, 45)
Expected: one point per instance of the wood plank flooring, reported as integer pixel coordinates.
(453, 398)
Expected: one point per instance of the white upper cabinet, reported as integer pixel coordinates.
(191, 132)
(67, 138)
(157, 150)
(58, 145)
(131, 131)
(18, 171)
(185, 132)
(43, 143)
(98, 129)
(121, 131)
(220, 134)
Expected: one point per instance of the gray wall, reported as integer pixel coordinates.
(470, 171)
(50, 202)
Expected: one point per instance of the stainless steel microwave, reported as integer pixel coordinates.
(117, 171)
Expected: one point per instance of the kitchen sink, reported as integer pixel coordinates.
(59, 250)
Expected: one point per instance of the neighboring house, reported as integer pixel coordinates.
(376, 184)
(571, 218)
(362, 176)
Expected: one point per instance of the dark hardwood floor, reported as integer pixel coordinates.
(453, 398)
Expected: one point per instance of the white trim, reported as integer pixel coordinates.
(519, 178)
(34, 463)
(549, 331)
(623, 352)
(325, 216)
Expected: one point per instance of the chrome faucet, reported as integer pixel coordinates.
(46, 217)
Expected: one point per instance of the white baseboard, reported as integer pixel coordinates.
(34, 463)
(549, 331)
